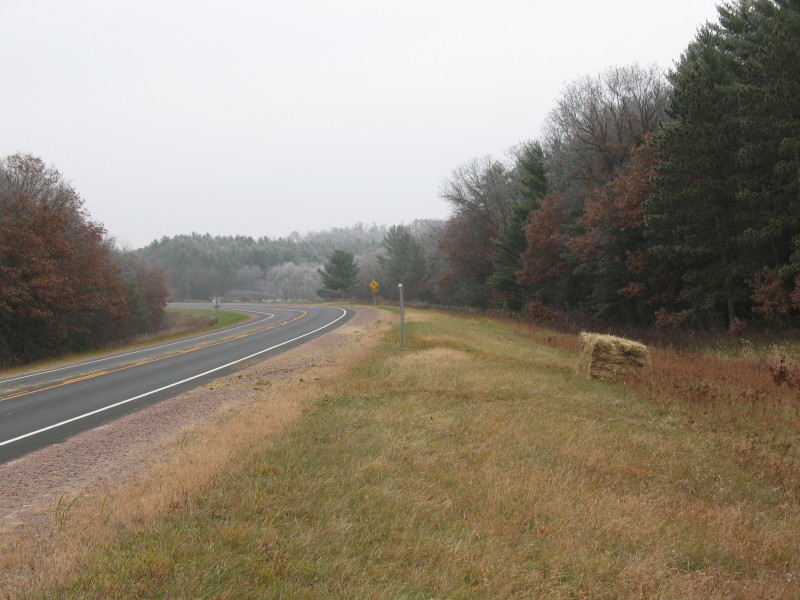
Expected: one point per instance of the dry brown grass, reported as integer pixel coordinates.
(749, 407)
(475, 464)
(746, 407)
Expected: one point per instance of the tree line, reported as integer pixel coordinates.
(650, 198)
(667, 199)
(63, 285)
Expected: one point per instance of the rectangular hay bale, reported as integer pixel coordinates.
(609, 358)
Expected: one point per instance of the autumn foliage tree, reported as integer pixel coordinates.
(60, 288)
(598, 122)
(671, 199)
(611, 241)
(586, 239)
(146, 293)
(544, 266)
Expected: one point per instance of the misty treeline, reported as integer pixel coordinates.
(63, 285)
(242, 268)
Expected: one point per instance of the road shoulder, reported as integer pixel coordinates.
(41, 488)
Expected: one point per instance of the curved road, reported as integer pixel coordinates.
(47, 407)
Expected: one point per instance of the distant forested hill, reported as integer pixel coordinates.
(202, 266)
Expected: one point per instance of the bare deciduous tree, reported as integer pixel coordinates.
(291, 281)
(480, 190)
(598, 121)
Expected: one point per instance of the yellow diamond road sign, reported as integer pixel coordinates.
(374, 285)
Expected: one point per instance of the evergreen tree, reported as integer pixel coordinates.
(339, 275)
(770, 157)
(721, 211)
(512, 243)
(404, 262)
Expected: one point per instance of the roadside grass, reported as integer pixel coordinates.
(474, 464)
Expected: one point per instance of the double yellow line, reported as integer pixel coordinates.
(152, 360)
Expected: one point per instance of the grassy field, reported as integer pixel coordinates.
(475, 464)
(210, 319)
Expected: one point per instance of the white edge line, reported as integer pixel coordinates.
(171, 385)
(191, 339)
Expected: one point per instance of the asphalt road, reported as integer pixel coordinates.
(47, 407)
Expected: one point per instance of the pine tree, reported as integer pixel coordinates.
(694, 215)
(339, 275)
(770, 157)
(507, 262)
(404, 263)
(726, 200)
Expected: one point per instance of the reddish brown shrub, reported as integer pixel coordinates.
(669, 320)
(785, 372)
(537, 312)
(771, 294)
(737, 326)
(796, 293)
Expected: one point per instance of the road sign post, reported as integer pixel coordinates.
(374, 289)
(402, 317)
(216, 307)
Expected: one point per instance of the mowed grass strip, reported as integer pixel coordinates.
(474, 464)
(209, 319)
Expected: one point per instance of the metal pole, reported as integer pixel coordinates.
(402, 317)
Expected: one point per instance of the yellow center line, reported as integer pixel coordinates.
(152, 360)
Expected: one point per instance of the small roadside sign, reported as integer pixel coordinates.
(374, 289)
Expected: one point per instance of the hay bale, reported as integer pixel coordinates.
(609, 358)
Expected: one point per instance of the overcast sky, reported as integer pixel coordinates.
(263, 118)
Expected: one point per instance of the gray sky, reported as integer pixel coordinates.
(262, 118)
